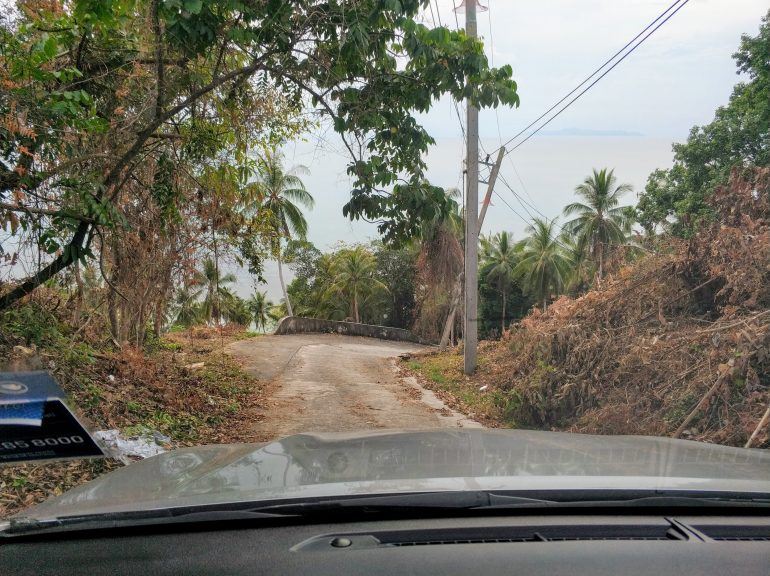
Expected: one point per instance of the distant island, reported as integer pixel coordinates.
(588, 132)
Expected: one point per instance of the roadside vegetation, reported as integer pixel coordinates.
(663, 332)
(674, 344)
(180, 389)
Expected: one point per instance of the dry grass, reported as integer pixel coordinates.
(132, 391)
(675, 344)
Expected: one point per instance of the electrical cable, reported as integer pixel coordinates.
(665, 16)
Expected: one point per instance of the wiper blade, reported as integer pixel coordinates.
(23, 525)
(449, 502)
(413, 501)
(247, 511)
(640, 502)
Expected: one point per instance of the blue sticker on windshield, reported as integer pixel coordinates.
(27, 414)
(35, 422)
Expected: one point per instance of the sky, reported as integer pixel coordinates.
(627, 121)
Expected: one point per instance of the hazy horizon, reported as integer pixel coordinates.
(550, 167)
(628, 121)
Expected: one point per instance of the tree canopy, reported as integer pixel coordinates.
(599, 220)
(543, 265)
(739, 136)
(99, 96)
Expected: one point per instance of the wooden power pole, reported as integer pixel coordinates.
(471, 324)
(457, 288)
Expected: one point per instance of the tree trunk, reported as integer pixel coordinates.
(355, 306)
(502, 328)
(601, 262)
(157, 322)
(78, 295)
(210, 295)
(124, 323)
(139, 326)
(457, 291)
(545, 303)
(57, 265)
(160, 304)
(112, 312)
(283, 284)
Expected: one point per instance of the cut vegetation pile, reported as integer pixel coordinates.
(184, 388)
(677, 344)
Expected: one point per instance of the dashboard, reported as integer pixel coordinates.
(524, 544)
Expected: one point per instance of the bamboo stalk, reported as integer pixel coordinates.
(699, 406)
(762, 423)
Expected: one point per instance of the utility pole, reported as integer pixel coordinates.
(491, 185)
(458, 285)
(470, 331)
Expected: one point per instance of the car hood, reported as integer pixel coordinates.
(317, 465)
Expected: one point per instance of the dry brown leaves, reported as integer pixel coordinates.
(216, 404)
(638, 356)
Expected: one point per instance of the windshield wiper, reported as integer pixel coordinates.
(655, 501)
(481, 500)
(24, 525)
(396, 502)
(336, 507)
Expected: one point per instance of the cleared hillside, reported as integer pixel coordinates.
(677, 343)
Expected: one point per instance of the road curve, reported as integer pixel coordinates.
(333, 383)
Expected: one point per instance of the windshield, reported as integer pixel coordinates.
(268, 251)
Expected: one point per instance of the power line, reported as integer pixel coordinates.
(459, 117)
(511, 208)
(665, 16)
(497, 112)
(523, 204)
(521, 200)
(592, 84)
(518, 177)
(492, 63)
(491, 39)
(454, 102)
(438, 14)
(679, 4)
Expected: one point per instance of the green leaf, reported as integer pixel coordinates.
(193, 6)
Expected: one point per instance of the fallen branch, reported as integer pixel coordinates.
(700, 405)
(762, 423)
(733, 324)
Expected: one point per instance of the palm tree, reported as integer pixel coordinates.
(582, 269)
(235, 309)
(600, 222)
(543, 264)
(216, 291)
(354, 276)
(260, 308)
(187, 309)
(498, 262)
(325, 300)
(280, 192)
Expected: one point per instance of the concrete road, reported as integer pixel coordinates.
(333, 383)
